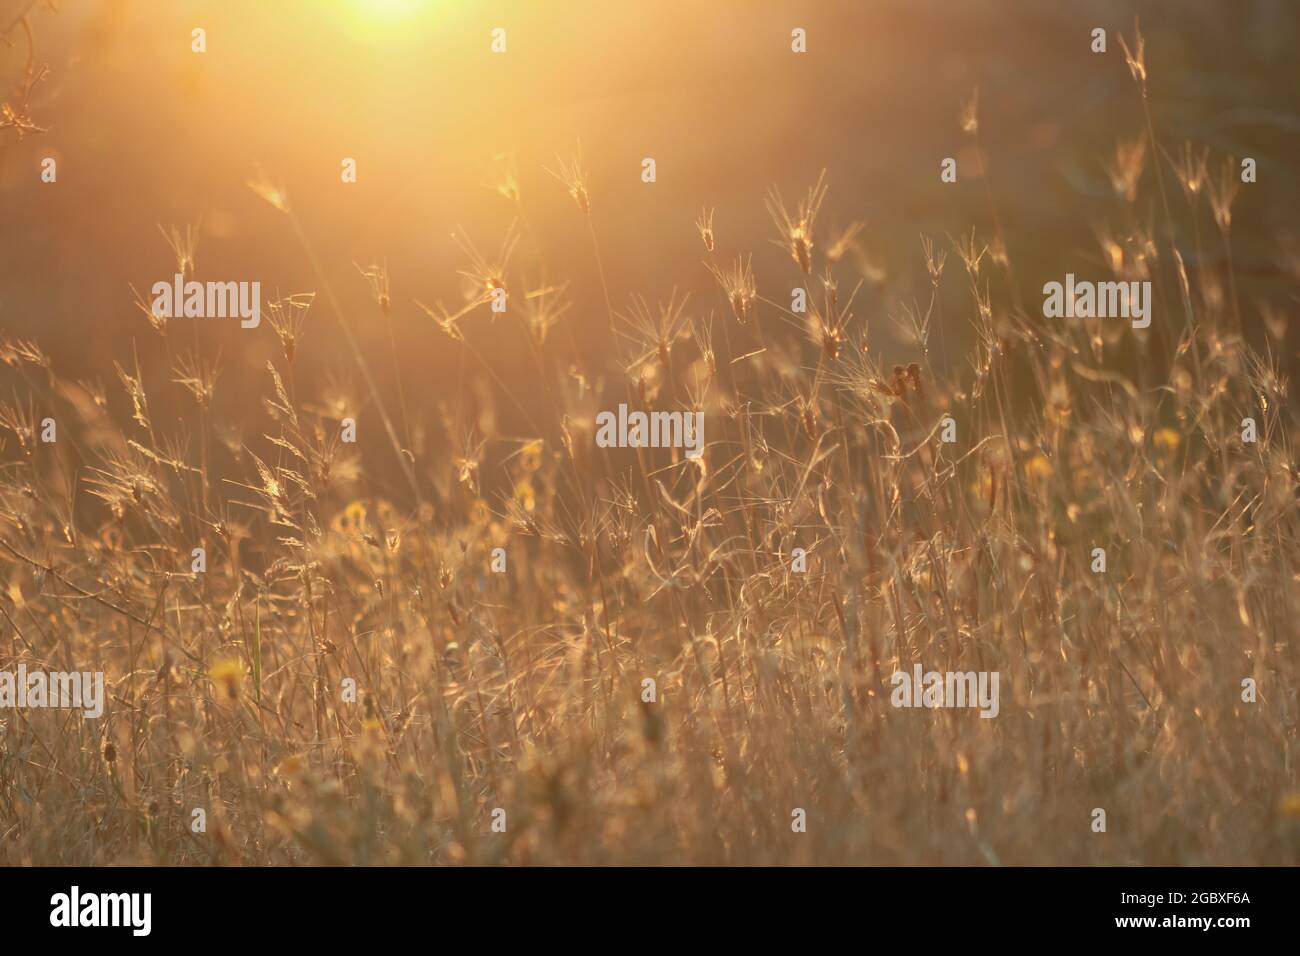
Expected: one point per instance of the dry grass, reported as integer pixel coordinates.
(522, 690)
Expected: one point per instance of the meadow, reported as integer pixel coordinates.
(476, 635)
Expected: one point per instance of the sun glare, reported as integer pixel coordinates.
(389, 9)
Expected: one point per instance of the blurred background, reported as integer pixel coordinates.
(146, 132)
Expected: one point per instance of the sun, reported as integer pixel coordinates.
(389, 9)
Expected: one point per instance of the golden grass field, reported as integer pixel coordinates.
(329, 561)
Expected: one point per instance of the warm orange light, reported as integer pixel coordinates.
(388, 9)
